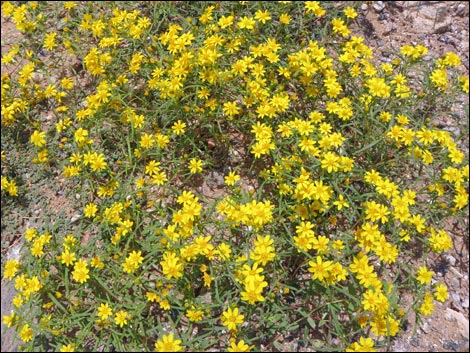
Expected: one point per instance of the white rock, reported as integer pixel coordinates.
(378, 6)
(75, 218)
(465, 303)
(451, 260)
(459, 318)
(461, 10)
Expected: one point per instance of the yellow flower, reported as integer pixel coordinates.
(262, 16)
(340, 27)
(17, 300)
(67, 258)
(178, 127)
(427, 307)
(330, 162)
(171, 265)
(38, 138)
(441, 293)
(231, 178)
(231, 318)
(364, 345)
(81, 136)
(439, 78)
(378, 87)
(49, 41)
(195, 166)
(241, 346)
(121, 318)
(246, 22)
(9, 320)
(90, 210)
(424, 276)
(284, 18)
(97, 161)
(194, 315)
(340, 203)
(168, 344)
(230, 109)
(67, 348)
(11, 267)
(350, 12)
(464, 84)
(225, 21)
(147, 141)
(133, 261)
(80, 272)
(319, 268)
(26, 333)
(104, 311)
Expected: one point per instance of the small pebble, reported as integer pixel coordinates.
(414, 342)
(75, 218)
(451, 346)
(456, 297)
(378, 6)
(443, 38)
(427, 58)
(465, 303)
(461, 11)
(384, 16)
(385, 60)
(451, 260)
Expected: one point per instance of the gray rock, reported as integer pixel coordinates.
(450, 345)
(428, 58)
(400, 346)
(9, 340)
(453, 130)
(385, 60)
(451, 260)
(461, 10)
(378, 6)
(455, 283)
(445, 27)
(464, 303)
(443, 38)
(456, 297)
(430, 19)
(389, 28)
(75, 218)
(384, 16)
(414, 342)
(457, 317)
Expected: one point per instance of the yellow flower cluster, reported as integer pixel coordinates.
(314, 143)
(9, 185)
(253, 214)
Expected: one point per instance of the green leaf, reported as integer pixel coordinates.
(311, 322)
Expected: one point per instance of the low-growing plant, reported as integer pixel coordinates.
(245, 174)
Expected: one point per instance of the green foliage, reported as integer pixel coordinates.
(238, 175)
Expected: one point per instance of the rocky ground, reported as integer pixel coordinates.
(441, 26)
